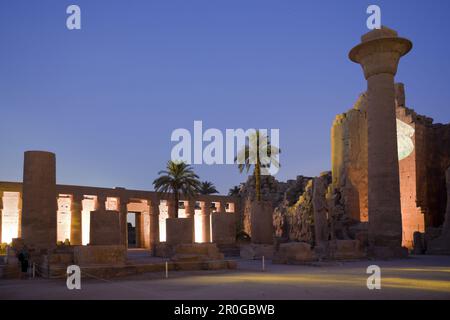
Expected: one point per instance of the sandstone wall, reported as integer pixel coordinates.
(424, 156)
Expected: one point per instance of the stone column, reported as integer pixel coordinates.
(206, 220)
(138, 229)
(101, 203)
(172, 209)
(189, 207)
(320, 211)
(123, 212)
(154, 223)
(39, 199)
(379, 54)
(76, 208)
(222, 207)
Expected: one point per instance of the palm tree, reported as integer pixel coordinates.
(178, 178)
(234, 191)
(258, 144)
(207, 187)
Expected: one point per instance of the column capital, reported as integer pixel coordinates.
(205, 207)
(380, 51)
(189, 207)
(153, 205)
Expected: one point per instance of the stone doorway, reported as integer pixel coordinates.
(133, 229)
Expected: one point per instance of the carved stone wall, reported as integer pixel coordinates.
(424, 156)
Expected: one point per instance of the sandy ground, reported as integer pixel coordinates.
(418, 277)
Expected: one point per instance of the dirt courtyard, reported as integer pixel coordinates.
(418, 277)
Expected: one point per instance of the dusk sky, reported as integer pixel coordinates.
(106, 98)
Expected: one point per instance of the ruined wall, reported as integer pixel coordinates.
(424, 156)
(349, 159)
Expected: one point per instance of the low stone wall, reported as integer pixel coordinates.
(294, 253)
(346, 250)
(257, 251)
(90, 255)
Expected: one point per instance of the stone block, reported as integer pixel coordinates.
(87, 255)
(257, 251)
(179, 231)
(261, 216)
(347, 250)
(294, 253)
(39, 204)
(104, 228)
(386, 253)
(223, 228)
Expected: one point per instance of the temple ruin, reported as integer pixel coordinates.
(388, 191)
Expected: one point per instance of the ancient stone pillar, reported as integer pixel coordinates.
(320, 211)
(206, 220)
(138, 229)
(154, 222)
(189, 207)
(39, 199)
(172, 209)
(123, 212)
(222, 207)
(379, 54)
(76, 208)
(101, 203)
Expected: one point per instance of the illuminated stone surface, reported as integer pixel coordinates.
(405, 144)
(10, 216)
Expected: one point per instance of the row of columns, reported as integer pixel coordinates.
(154, 212)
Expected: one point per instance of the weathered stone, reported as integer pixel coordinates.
(419, 245)
(179, 230)
(223, 228)
(39, 199)
(379, 56)
(347, 250)
(294, 253)
(104, 228)
(261, 222)
(95, 255)
(257, 251)
(320, 208)
(446, 225)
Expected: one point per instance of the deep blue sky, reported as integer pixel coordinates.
(106, 98)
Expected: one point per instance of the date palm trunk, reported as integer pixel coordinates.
(258, 180)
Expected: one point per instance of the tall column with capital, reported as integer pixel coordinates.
(76, 208)
(154, 222)
(172, 208)
(123, 212)
(206, 220)
(379, 54)
(189, 207)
